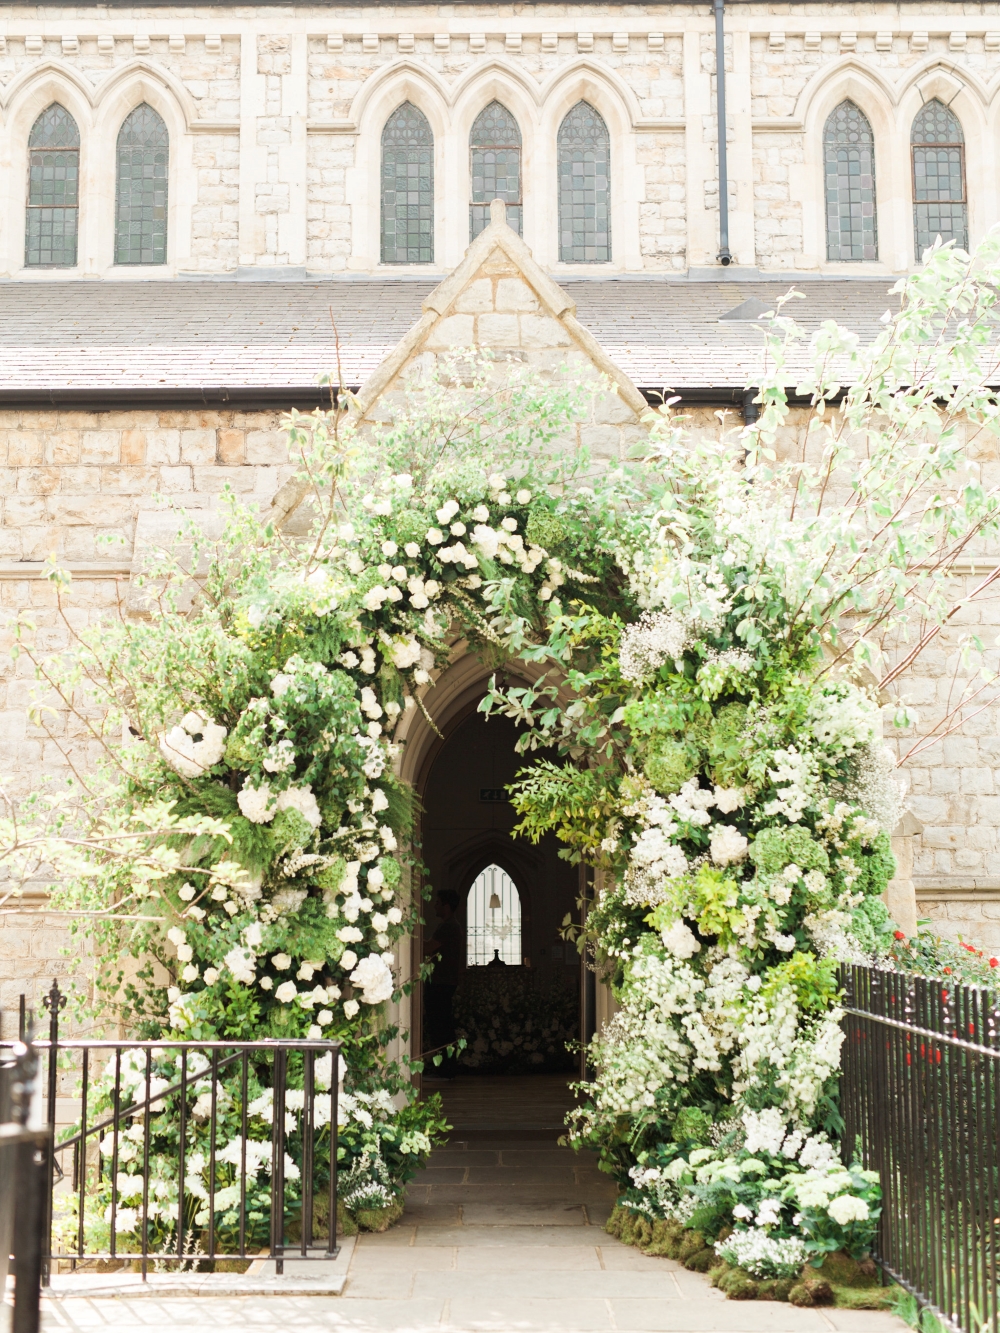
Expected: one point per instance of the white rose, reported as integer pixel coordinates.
(523, 497)
(267, 983)
(348, 960)
(435, 536)
(175, 935)
(184, 953)
(281, 962)
(374, 978)
(351, 1008)
(211, 976)
(350, 935)
(395, 915)
(389, 548)
(190, 973)
(412, 550)
(286, 992)
(324, 1018)
(186, 892)
(305, 972)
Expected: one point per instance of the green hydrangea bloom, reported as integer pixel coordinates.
(669, 765)
(775, 848)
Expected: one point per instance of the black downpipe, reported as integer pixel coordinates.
(725, 257)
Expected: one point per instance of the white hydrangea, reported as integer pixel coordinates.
(241, 963)
(303, 800)
(692, 803)
(187, 756)
(680, 940)
(405, 653)
(374, 978)
(847, 1208)
(729, 799)
(727, 845)
(257, 803)
(765, 1130)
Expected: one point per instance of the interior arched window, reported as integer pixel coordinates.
(584, 187)
(940, 205)
(493, 919)
(50, 229)
(495, 153)
(141, 194)
(849, 153)
(407, 188)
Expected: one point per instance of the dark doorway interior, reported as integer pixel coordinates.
(515, 993)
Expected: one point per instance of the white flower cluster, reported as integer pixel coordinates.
(187, 755)
(763, 1255)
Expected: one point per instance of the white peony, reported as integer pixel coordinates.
(374, 978)
(727, 845)
(256, 803)
(680, 940)
(303, 800)
(190, 757)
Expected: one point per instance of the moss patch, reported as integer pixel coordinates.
(839, 1281)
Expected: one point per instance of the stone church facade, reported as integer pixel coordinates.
(204, 209)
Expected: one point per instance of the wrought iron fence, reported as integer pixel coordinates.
(920, 1096)
(187, 1152)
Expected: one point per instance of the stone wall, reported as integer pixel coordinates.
(275, 118)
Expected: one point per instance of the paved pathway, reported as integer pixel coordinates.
(502, 1234)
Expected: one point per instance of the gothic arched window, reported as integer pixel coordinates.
(50, 229)
(493, 919)
(940, 206)
(584, 187)
(495, 153)
(141, 194)
(407, 188)
(849, 153)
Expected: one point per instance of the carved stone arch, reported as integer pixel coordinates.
(117, 89)
(398, 82)
(32, 89)
(589, 80)
(848, 78)
(945, 80)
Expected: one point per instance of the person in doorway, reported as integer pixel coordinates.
(447, 946)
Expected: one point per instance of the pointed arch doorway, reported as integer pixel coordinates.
(504, 903)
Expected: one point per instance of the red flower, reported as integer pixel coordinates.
(900, 935)
(995, 962)
(948, 971)
(968, 947)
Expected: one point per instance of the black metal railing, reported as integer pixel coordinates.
(23, 1160)
(188, 1152)
(920, 1097)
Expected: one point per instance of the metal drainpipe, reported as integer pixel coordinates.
(724, 255)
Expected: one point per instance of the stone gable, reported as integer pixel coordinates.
(499, 299)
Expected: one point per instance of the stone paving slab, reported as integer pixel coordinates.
(515, 1250)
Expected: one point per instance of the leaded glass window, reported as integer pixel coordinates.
(849, 152)
(407, 188)
(495, 149)
(141, 198)
(53, 209)
(940, 206)
(584, 187)
(493, 920)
